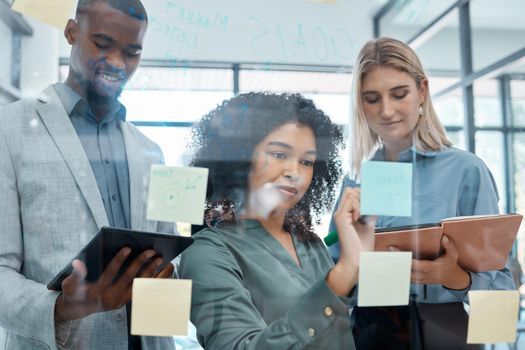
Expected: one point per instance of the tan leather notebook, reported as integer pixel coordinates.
(483, 242)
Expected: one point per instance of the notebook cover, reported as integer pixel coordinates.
(423, 242)
(483, 242)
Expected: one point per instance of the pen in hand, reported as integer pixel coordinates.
(332, 238)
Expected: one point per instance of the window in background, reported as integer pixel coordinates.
(329, 91)
(408, 17)
(519, 189)
(173, 141)
(440, 54)
(457, 138)
(489, 147)
(498, 30)
(487, 104)
(169, 105)
(517, 88)
(449, 108)
(439, 83)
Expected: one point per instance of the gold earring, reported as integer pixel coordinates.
(420, 110)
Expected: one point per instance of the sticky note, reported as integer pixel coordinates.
(384, 278)
(177, 194)
(55, 13)
(493, 316)
(386, 188)
(160, 307)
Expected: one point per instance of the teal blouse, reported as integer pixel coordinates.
(248, 292)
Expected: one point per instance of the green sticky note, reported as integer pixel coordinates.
(384, 278)
(386, 188)
(177, 194)
(493, 316)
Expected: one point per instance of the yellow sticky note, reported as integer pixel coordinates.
(55, 13)
(493, 316)
(177, 194)
(160, 307)
(384, 278)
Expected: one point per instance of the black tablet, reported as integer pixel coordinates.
(109, 241)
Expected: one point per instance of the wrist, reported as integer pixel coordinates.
(460, 281)
(341, 280)
(60, 309)
(66, 311)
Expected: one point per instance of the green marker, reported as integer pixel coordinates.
(332, 237)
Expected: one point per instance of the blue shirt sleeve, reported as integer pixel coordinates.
(479, 196)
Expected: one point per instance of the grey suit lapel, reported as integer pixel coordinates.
(136, 178)
(65, 137)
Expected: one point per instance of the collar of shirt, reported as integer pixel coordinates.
(407, 155)
(76, 105)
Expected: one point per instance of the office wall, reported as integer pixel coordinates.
(5, 53)
(39, 58)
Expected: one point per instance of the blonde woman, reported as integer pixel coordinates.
(394, 121)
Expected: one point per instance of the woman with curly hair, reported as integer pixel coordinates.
(261, 277)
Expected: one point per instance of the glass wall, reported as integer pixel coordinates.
(478, 95)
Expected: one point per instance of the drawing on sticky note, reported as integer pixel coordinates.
(177, 194)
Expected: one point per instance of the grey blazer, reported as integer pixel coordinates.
(50, 206)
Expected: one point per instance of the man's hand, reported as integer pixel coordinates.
(80, 298)
(166, 272)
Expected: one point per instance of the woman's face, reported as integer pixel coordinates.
(284, 161)
(391, 100)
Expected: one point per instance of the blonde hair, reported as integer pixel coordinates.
(428, 134)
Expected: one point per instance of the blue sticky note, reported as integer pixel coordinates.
(386, 188)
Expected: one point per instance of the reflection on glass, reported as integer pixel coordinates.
(172, 141)
(408, 17)
(517, 88)
(498, 30)
(519, 189)
(489, 147)
(487, 105)
(449, 108)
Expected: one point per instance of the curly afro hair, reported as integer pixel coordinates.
(224, 141)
